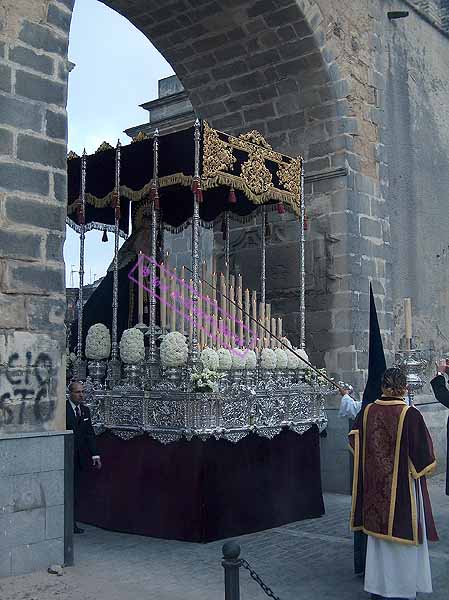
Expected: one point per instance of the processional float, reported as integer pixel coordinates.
(192, 178)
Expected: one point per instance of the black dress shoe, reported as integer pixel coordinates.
(77, 529)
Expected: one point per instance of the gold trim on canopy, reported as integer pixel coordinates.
(218, 164)
(255, 180)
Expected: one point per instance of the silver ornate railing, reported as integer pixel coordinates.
(259, 402)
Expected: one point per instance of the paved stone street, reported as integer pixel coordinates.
(304, 560)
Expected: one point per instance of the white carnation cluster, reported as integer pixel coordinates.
(250, 360)
(209, 358)
(132, 346)
(174, 350)
(238, 359)
(224, 359)
(294, 362)
(286, 341)
(206, 381)
(281, 358)
(268, 359)
(98, 342)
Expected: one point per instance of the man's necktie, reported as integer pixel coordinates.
(78, 413)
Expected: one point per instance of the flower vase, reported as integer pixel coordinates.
(133, 374)
(97, 371)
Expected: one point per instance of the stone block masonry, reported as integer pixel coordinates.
(33, 502)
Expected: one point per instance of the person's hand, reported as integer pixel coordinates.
(96, 462)
(443, 366)
(343, 391)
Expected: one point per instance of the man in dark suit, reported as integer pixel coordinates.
(441, 392)
(84, 446)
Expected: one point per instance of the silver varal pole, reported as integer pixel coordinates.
(227, 247)
(263, 257)
(154, 223)
(79, 348)
(114, 353)
(302, 302)
(195, 246)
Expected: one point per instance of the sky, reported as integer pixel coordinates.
(117, 69)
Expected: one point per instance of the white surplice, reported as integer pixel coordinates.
(396, 570)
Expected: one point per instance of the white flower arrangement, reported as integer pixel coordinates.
(250, 360)
(287, 342)
(174, 350)
(281, 358)
(268, 359)
(98, 342)
(303, 354)
(132, 346)
(313, 378)
(224, 359)
(238, 358)
(293, 361)
(209, 358)
(206, 381)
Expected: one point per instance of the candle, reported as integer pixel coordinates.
(247, 312)
(190, 314)
(239, 281)
(268, 326)
(268, 320)
(265, 342)
(254, 320)
(140, 300)
(231, 326)
(214, 341)
(214, 264)
(173, 301)
(274, 342)
(279, 327)
(408, 322)
(261, 320)
(182, 302)
(213, 291)
(203, 271)
(206, 320)
(163, 295)
(241, 340)
(222, 295)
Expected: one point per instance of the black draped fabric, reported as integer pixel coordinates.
(202, 491)
(376, 368)
(376, 357)
(98, 309)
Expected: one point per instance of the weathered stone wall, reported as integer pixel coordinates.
(33, 135)
(32, 503)
(417, 142)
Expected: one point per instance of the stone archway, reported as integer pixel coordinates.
(261, 64)
(264, 65)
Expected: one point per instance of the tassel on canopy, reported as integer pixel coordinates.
(105, 235)
(281, 209)
(232, 198)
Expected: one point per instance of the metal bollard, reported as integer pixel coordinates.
(231, 564)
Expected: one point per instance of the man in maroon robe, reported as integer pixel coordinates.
(393, 453)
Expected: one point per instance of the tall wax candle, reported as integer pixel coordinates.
(279, 327)
(247, 320)
(140, 295)
(241, 340)
(173, 301)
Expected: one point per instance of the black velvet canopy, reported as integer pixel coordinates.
(238, 174)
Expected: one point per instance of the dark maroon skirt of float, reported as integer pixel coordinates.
(202, 491)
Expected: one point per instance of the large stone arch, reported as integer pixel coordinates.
(259, 64)
(264, 65)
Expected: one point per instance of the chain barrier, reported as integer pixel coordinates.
(268, 591)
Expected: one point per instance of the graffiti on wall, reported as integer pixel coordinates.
(27, 389)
